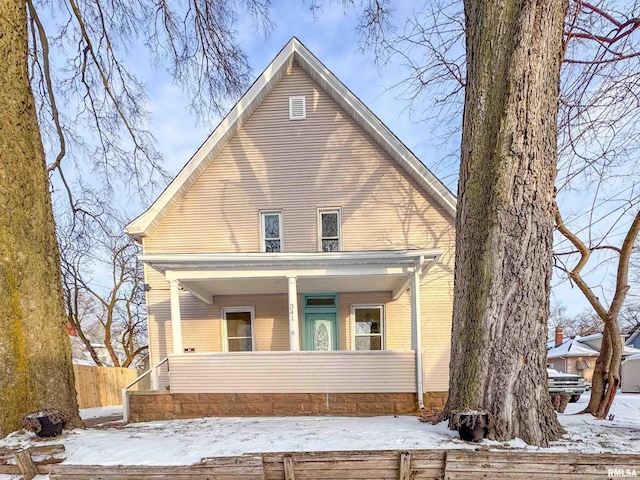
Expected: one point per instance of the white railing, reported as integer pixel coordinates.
(153, 372)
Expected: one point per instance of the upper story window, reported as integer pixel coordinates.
(329, 230)
(271, 229)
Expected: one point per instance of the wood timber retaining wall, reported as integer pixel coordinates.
(372, 465)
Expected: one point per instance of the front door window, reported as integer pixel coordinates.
(321, 335)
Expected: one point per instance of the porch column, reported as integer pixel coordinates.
(176, 322)
(294, 338)
(416, 334)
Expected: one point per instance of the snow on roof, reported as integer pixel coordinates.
(573, 347)
(630, 351)
(593, 336)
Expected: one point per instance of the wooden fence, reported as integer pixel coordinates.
(102, 386)
(369, 465)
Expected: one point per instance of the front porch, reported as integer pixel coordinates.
(357, 383)
(298, 275)
(353, 348)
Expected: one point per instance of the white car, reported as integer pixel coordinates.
(566, 384)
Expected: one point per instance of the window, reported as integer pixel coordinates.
(297, 108)
(238, 329)
(329, 230)
(368, 329)
(271, 229)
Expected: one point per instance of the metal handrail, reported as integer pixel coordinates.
(153, 371)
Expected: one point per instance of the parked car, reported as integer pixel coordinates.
(566, 384)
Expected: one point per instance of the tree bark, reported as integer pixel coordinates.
(505, 217)
(35, 355)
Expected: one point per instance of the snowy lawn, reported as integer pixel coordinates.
(182, 442)
(98, 412)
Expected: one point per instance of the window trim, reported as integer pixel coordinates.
(337, 210)
(263, 240)
(225, 338)
(383, 322)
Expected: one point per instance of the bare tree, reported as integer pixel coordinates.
(597, 120)
(606, 376)
(504, 222)
(103, 286)
(89, 109)
(582, 324)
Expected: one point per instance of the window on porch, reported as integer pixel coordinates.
(239, 329)
(368, 330)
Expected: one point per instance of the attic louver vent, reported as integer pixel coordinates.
(297, 108)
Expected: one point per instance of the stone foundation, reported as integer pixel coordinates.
(148, 406)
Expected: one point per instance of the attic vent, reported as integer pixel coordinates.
(297, 108)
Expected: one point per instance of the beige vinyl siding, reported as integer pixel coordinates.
(346, 301)
(327, 160)
(294, 372)
(271, 319)
(299, 166)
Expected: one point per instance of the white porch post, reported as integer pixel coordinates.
(294, 338)
(176, 322)
(416, 334)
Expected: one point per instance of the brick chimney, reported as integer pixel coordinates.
(559, 336)
(70, 330)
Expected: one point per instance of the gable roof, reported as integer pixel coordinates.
(296, 52)
(633, 333)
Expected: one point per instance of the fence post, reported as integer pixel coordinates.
(125, 405)
(154, 378)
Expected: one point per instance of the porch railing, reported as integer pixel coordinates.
(293, 372)
(153, 375)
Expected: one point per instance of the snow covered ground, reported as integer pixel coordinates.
(181, 442)
(97, 412)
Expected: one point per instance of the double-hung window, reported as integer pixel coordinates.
(238, 326)
(368, 328)
(329, 230)
(271, 229)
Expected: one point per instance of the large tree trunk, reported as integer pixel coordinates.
(505, 217)
(35, 356)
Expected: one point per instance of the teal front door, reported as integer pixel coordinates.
(320, 326)
(320, 331)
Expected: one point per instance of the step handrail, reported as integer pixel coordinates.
(153, 372)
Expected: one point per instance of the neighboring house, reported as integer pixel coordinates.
(578, 354)
(80, 353)
(631, 374)
(633, 338)
(301, 262)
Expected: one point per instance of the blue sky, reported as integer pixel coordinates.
(331, 35)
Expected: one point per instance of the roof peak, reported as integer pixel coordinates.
(293, 51)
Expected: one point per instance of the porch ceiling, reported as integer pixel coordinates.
(266, 285)
(208, 275)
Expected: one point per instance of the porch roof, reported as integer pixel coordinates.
(207, 275)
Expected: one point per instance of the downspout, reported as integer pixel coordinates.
(415, 304)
